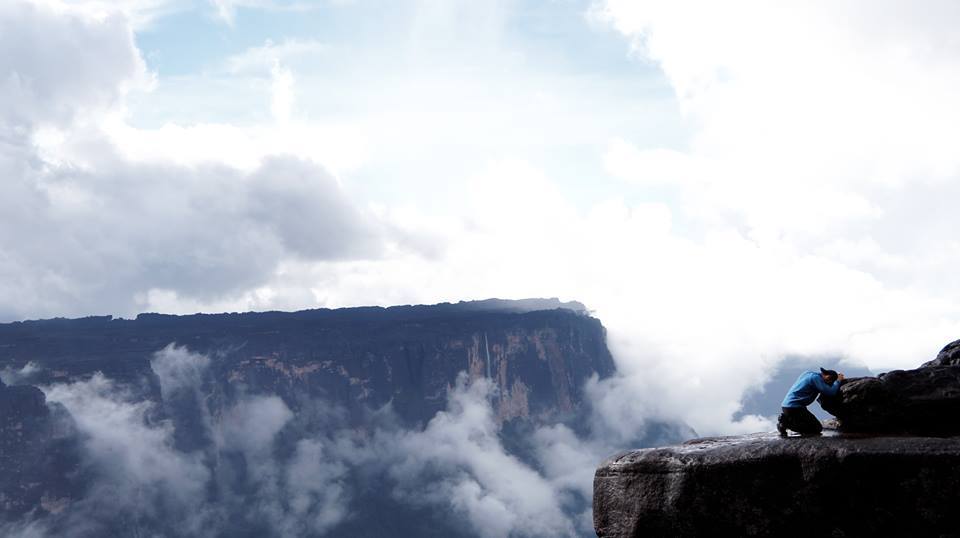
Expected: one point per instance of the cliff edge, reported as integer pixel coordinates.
(891, 468)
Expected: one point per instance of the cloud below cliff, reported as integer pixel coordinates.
(136, 479)
(256, 467)
(458, 461)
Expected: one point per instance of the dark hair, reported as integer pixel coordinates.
(828, 373)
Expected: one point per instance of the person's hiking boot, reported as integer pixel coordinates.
(781, 429)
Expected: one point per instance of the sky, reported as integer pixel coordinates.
(723, 184)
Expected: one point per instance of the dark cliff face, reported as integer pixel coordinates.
(361, 358)
(370, 374)
(892, 469)
(39, 458)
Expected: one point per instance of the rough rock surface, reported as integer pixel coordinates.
(948, 356)
(763, 485)
(38, 453)
(924, 401)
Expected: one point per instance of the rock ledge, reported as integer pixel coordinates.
(764, 485)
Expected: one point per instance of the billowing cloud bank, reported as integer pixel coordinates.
(808, 213)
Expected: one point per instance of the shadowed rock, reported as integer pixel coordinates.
(38, 454)
(948, 356)
(539, 352)
(924, 401)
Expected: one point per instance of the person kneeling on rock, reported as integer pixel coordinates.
(804, 391)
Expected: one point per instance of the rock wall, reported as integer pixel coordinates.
(39, 457)
(360, 358)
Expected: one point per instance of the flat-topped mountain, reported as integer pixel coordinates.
(537, 351)
(285, 423)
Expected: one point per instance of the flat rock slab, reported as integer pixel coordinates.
(764, 485)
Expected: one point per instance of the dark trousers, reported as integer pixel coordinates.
(800, 420)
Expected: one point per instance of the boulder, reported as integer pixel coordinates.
(924, 401)
(948, 356)
(764, 485)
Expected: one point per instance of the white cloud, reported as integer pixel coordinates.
(648, 166)
(789, 123)
(121, 440)
(139, 13)
(317, 492)
(23, 375)
(459, 461)
(58, 66)
(226, 10)
(136, 470)
(263, 58)
(186, 223)
(178, 368)
(100, 219)
(252, 424)
(282, 97)
(342, 148)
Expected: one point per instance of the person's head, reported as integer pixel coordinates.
(828, 375)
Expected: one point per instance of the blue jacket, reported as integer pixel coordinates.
(806, 389)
